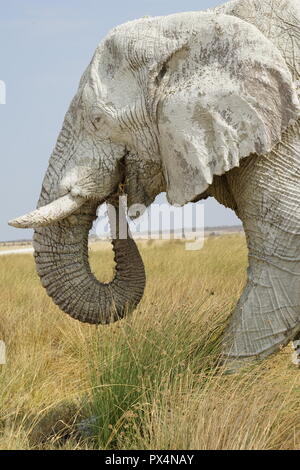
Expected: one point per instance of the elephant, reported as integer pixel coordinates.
(197, 105)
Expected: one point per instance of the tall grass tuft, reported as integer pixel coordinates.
(151, 381)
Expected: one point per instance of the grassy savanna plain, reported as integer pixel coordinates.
(152, 381)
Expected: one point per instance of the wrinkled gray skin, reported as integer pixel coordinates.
(197, 105)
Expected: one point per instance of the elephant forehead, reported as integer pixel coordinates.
(147, 39)
(110, 79)
(120, 64)
(140, 44)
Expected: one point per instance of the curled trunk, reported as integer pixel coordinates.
(61, 255)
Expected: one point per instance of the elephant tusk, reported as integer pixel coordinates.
(49, 214)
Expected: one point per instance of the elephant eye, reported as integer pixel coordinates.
(161, 74)
(95, 122)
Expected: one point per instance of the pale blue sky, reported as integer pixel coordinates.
(45, 47)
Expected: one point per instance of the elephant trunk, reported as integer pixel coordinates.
(62, 222)
(267, 192)
(61, 255)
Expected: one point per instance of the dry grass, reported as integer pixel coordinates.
(152, 381)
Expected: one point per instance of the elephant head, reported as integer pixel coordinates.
(166, 104)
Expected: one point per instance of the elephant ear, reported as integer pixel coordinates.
(223, 95)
